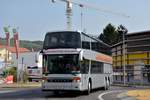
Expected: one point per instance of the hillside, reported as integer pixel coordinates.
(31, 45)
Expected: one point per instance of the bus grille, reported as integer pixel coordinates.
(59, 80)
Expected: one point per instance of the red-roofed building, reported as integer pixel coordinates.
(21, 50)
(5, 53)
(13, 50)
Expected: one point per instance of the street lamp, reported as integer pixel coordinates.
(123, 31)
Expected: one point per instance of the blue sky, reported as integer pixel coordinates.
(36, 17)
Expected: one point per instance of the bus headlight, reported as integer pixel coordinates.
(44, 79)
(76, 79)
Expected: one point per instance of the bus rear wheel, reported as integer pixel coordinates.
(107, 83)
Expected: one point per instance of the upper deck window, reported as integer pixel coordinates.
(62, 40)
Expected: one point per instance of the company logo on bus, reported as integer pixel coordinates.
(104, 58)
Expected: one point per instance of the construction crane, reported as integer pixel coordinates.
(69, 4)
(68, 12)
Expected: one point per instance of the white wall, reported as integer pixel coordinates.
(27, 58)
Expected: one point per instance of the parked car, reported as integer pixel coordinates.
(34, 73)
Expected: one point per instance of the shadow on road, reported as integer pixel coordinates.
(38, 94)
(64, 95)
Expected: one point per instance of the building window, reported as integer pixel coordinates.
(148, 76)
(121, 78)
(116, 77)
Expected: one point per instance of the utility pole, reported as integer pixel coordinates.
(123, 31)
(124, 59)
(22, 69)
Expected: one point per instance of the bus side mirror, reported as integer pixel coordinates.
(36, 61)
(41, 51)
(81, 56)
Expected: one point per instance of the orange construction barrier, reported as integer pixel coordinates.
(9, 79)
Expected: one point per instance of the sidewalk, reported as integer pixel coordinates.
(140, 94)
(21, 85)
(134, 86)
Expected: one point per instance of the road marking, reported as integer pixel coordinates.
(104, 93)
(7, 91)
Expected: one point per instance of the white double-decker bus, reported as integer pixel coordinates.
(75, 61)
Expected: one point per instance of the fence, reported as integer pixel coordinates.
(132, 76)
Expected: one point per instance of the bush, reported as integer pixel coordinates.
(25, 77)
(5, 73)
(11, 71)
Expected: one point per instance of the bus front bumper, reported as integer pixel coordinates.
(62, 86)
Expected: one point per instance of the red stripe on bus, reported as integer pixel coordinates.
(104, 58)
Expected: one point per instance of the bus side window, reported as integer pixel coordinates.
(85, 45)
(85, 66)
(96, 67)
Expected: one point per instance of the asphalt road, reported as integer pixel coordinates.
(37, 94)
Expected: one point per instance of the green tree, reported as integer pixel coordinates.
(110, 35)
(36, 45)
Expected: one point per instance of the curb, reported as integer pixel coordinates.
(122, 85)
(124, 96)
(19, 85)
(8, 91)
(100, 97)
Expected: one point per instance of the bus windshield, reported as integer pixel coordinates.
(61, 64)
(62, 40)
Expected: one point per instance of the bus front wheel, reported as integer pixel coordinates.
(88, 88)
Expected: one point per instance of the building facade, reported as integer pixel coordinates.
(6, 54)
(134, 57)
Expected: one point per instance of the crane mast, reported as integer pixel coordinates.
(69, 14)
